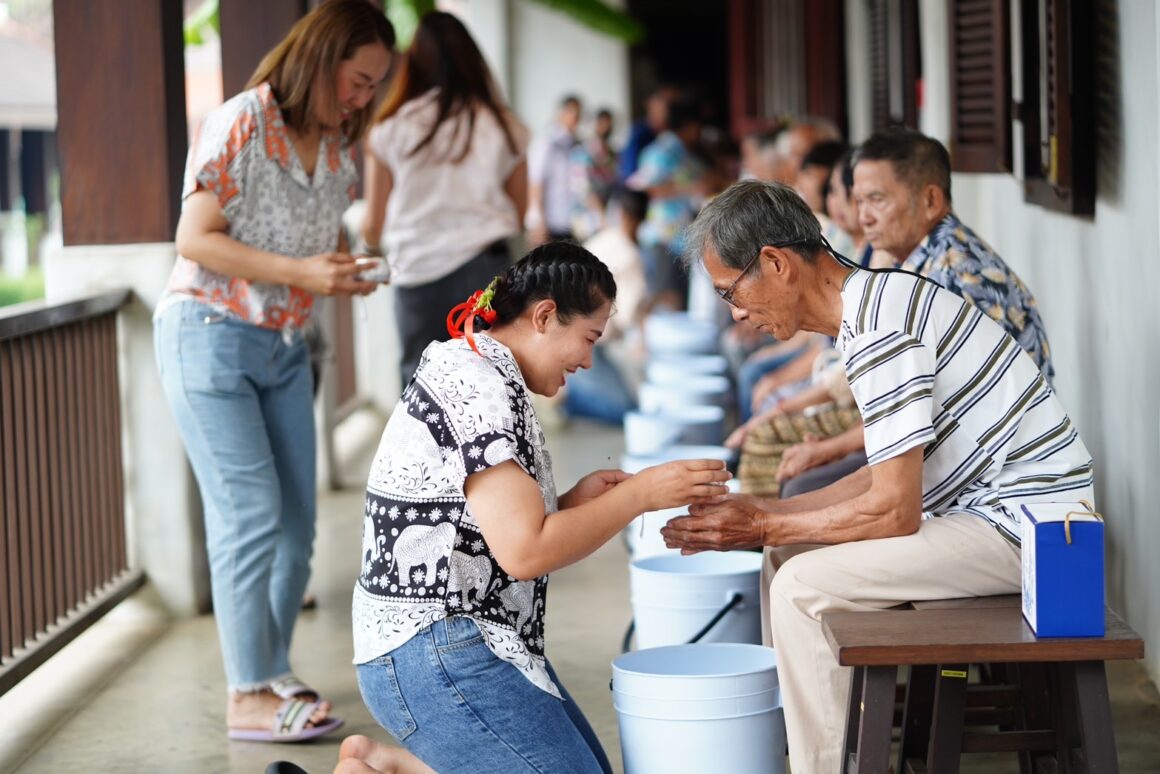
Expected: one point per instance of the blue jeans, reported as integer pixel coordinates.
(451, 701)
(751, 373)
(599, 392)
(242, 399)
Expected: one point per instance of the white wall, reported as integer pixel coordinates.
(1096, 280)
(539, 55)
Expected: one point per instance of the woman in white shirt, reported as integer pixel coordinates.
(446, 181)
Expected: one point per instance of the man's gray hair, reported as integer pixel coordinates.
(748, 216)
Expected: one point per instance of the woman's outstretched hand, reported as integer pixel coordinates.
(680, 483)
(331, 274)
(592, 486)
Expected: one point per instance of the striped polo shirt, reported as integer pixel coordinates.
(928, 369)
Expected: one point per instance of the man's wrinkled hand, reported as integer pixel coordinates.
(733, 522)
(800, 457)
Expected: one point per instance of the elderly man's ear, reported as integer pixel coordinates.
(932, 200)
(776, 260)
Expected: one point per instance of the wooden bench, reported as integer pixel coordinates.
(1057, 706)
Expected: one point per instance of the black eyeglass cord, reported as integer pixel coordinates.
(851, 264)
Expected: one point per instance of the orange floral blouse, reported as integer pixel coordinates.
(243, 154)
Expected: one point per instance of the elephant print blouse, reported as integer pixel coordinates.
(423, 555)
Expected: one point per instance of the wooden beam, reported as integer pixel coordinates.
(121, 119)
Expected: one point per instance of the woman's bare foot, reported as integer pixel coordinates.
(257, 710)
(361, 755)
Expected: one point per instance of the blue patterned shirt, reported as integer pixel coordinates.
(956, 258)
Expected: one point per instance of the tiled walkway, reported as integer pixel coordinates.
(139, 694)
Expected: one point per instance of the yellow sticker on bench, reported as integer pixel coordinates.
(953, 673)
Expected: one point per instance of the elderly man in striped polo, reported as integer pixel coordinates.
(961, 429)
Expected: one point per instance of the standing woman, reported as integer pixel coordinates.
(267, 181)
(462, 525)
(445, 169)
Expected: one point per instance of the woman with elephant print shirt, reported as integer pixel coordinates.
(462, 525)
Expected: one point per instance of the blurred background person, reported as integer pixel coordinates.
(593, 177)
(446, 181)
(607, 390)
(843, 212)
(646, 129)
(813, 184)
(674, 179)
(550, 198)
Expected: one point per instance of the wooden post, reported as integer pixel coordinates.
(121, 119)
(249, 29)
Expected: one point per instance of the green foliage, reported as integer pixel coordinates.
(595, 14)
(405, 15)
(207, 17)
(14, 290)
(600, 17)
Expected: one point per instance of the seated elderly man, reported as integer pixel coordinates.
(961, 430)
(902, 188)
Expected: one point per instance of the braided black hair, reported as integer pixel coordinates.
(565, 272)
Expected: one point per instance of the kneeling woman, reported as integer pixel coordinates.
(463, 525)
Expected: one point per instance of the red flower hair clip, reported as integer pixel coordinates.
(461, 318)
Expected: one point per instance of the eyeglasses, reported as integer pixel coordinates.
(726, 295)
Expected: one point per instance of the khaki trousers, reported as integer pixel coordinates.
(957, 555)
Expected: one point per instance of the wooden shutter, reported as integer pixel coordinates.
(825, 35)
(980, 85)
(879, 50)
(787, 59)
(895, 64)
(1058, 105)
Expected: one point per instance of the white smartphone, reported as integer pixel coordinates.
(377, 269)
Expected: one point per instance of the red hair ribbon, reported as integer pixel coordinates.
(461, 318)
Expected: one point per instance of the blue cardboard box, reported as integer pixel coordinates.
(1063, 570)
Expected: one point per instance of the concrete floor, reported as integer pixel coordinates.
(138, 693)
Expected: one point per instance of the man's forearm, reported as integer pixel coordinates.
(843, 489)
(846, 442)
(857, 507)
(843, 522)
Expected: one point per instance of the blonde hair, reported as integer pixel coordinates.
(315, 46)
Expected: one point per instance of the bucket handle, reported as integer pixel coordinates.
(733, 602)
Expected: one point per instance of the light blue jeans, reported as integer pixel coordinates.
(242, 397)
(447, 698)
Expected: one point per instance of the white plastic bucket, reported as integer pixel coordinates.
(676, 333)
(635, 463)
(664, 370)
(651, 433)
(707, 707)
(643, 534)
(693, 390)
(674, 597)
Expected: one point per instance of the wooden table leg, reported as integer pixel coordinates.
(916, 713)
(853, 716)
(1036, 712)
(946, 725)
(1094, 712)
(876, 720)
